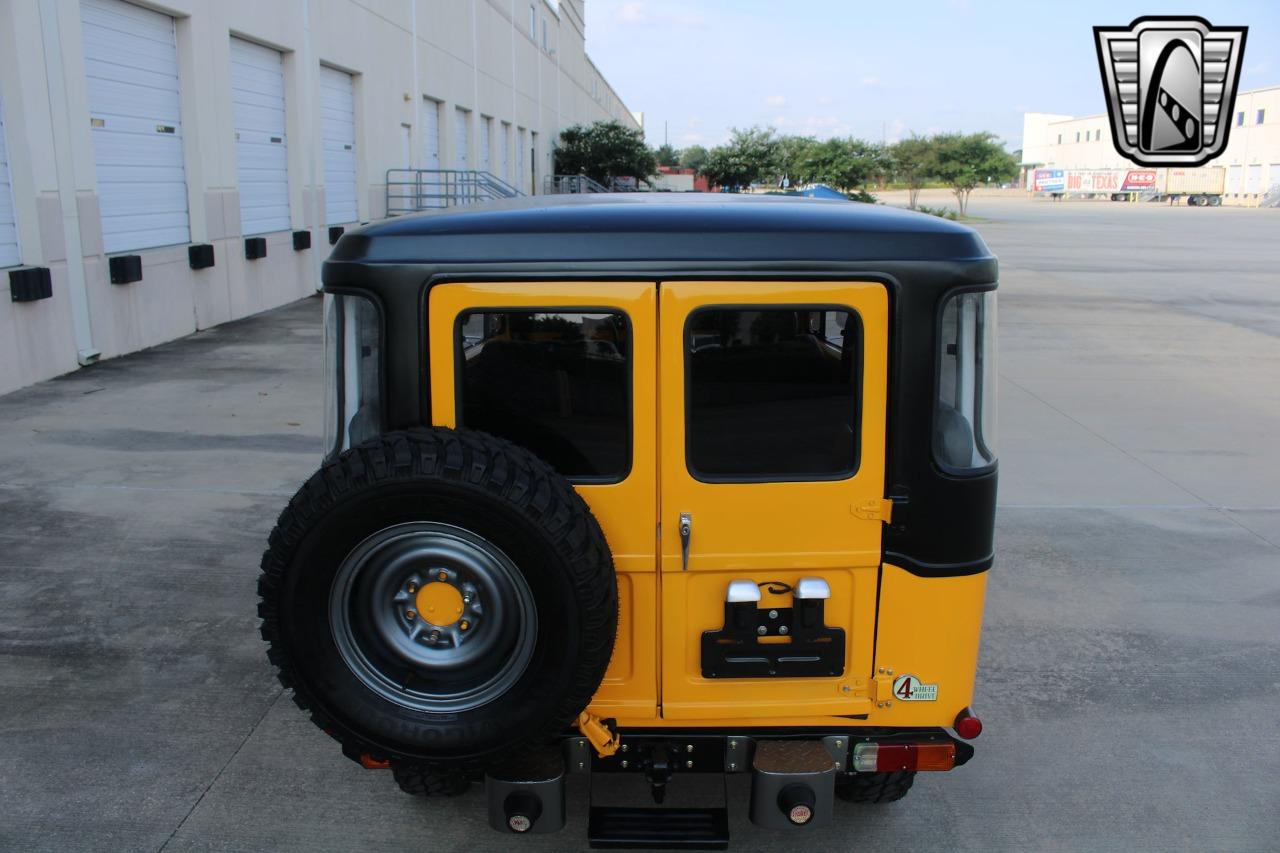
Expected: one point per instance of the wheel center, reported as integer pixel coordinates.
(440, 603)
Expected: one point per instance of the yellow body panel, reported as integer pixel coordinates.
(926, 627)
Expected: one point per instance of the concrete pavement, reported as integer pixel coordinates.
(1130, 667)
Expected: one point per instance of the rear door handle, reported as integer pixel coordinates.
(686, 533)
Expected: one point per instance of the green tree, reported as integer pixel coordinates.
(694, 157)
(792, 159)
(603, 151)
(912, 163)
(667, 156)
(964, 161)
(748, 157)
(845, 164)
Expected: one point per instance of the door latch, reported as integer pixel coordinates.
(686, 533)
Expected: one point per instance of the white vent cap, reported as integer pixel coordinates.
(812, 588)
(741, 590)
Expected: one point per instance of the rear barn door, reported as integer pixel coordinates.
(567, 370)
(772, 436)
(262, 157)
(338, 135)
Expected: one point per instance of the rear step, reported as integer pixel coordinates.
(623, 827)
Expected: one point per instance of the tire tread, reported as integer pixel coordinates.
(480, 461)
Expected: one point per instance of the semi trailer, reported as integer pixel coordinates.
(1200, 186)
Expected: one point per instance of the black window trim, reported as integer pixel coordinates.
(459, 361)
(950, 470)
(858, 383)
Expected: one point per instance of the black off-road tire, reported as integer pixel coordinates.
(874, 787)
(502, 495)
(421, 781)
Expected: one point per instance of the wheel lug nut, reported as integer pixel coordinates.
(444, 576)
(464, 625)
(412, 587)
(411, 614)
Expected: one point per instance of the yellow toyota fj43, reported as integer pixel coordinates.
(643, 484)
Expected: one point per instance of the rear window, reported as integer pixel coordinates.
(772, 393)
(555, 382)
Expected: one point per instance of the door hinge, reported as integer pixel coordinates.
(876, 509)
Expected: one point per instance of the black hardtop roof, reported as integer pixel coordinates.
(661, 228)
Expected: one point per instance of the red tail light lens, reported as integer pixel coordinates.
(888, 757)
(967, 725)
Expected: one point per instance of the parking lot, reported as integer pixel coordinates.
(1130, 672)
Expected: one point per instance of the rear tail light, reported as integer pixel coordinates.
(967, 725)
(886, 757)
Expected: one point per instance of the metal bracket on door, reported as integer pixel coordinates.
(686, 533)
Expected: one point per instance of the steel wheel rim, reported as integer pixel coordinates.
(405, 657)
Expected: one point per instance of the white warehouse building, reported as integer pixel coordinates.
(1252, 157)
(168, 166)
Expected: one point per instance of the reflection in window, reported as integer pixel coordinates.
(964, 422)
(772, 393)
(556, 383)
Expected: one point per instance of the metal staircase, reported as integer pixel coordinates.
(412, 190)
(570, 184)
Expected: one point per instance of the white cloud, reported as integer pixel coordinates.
(775, 100)
(822, 127)
(657, 15)
(630, 13)
(870, 80)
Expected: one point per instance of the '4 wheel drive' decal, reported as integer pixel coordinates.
(908, 688)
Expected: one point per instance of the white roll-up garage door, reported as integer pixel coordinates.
(430, 134)
(131, 66)
(461, 137)
(504, 151)
(486, 150)
(262, 158)
(338, 130)
(8, 220)
(1253, 178)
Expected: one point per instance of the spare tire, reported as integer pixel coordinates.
(438, 598)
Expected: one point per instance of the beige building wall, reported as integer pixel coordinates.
(520, 64)
(1064, 142)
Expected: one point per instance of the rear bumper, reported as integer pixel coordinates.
(698, 750)
(794, 777)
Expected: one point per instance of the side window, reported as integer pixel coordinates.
(555, 382)
(772, 393)
(964, 419)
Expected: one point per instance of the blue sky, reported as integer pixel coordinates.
(875, 69)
